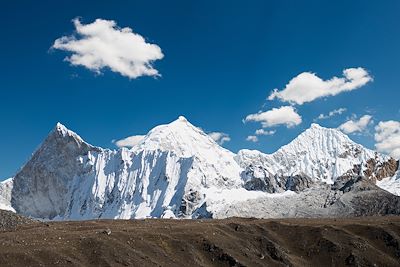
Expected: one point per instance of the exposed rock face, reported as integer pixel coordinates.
(366, 199)
(356, 197)
(273, 183)
(298, 182)
(376, 170)
(258, 178)
(190, 202)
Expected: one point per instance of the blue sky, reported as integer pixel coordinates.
(221, 60)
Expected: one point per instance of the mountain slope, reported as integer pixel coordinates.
(5, 194)
(166, 173)
(317, 155)
(357, 197)
(179, 171)
(391, 184)
(369, 241)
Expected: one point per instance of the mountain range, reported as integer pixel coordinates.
(178, 171)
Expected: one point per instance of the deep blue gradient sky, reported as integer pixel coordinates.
(222, 59)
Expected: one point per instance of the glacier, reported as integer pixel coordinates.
(178, 171)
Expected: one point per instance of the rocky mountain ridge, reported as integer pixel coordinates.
(178, 171)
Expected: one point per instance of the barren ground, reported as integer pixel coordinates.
(368, 241)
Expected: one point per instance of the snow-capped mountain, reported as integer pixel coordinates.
(179, 171)
(167, 172)
(317, 155)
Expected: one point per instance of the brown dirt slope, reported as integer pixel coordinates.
(10, 221)
(368, 241)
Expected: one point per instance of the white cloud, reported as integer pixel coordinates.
(264, 132)
(252, 138)
(103, 44)
(387, 137)
(352, 126)
(331, 114)
(220, 137)
(307, 86)
(286, 115)
(130, 141)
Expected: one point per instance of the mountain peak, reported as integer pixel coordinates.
(60, 125)
(63, 131)
(316, 129)
(179, 136)
(320, 137)
(180, 122)
(315, 126)
(322, 152)
(182, 119)
(60, 128)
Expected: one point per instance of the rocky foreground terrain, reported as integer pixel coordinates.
(366, 241)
